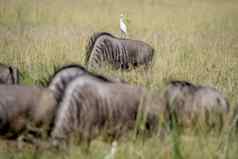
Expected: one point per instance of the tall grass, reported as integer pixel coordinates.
(195, 40)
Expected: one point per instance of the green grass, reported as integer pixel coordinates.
(195, 40)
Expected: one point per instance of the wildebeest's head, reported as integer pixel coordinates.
(8, 74)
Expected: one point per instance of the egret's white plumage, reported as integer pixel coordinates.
(111, 155)
(123, 27)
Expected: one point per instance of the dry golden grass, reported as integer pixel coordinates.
(195, 40)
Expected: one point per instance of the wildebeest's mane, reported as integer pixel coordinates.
(58, 69)
(99, 77)
(182, 83)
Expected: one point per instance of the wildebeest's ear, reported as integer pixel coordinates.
(14, 72)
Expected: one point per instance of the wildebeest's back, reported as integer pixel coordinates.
(18, 95)
(111, 108)
(211, 99)
(139, 52)
(123, 101)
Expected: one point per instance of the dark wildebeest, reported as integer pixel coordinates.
(189, 104)
(92, 106)
(24, 108)
(120, 53)
(8, 74)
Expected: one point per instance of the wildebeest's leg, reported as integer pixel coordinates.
(25, 137)
(84, 137)
(31, 135)
(85, 141)
(86, 145)
(61, 145)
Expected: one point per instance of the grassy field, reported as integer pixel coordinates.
(195, 40)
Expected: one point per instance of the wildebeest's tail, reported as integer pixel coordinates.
(92, 40)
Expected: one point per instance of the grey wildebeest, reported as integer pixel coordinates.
(119, 53)
(92, 106)
(189, 104)
(24, 108)
(8, 74)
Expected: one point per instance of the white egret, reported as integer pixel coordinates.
(123, 27)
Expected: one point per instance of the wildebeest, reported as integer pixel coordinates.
(8, 74)
(189, 104)
(66, 73)
(92, 106)
(25, 107)
(104, 48)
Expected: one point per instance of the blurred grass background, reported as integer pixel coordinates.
(195, 40)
